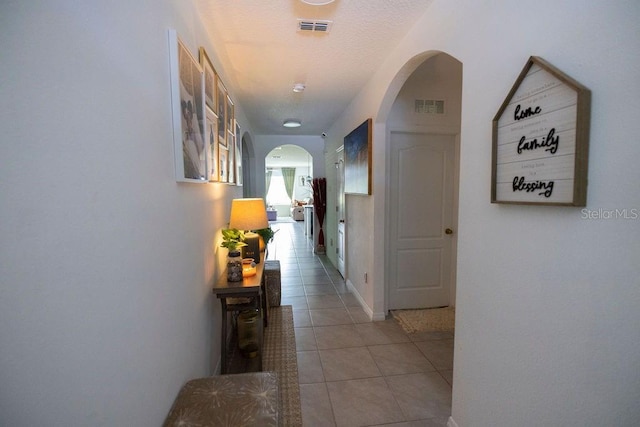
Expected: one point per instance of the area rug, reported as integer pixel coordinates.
(426, 320)
(280, 356)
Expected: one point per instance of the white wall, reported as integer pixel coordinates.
(438, 78)
(106, 263)
(547, 302)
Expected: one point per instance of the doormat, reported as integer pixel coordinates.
(426, 320)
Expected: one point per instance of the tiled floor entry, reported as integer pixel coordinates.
(354, 372)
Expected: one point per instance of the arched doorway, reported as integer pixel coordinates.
(288, 176)
(422, 128)
(248, 168)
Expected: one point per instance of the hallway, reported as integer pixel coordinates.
(353, 372)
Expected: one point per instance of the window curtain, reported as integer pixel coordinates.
(289, 176)
(268, 181)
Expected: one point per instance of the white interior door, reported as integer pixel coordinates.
(341, 218)
(421, 216)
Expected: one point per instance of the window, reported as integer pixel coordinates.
(277, 194)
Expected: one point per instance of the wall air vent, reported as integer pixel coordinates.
(429, 106)
(317, 26)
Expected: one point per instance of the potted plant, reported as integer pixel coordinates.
(232, 239)
(266, 235)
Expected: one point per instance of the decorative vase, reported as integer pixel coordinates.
(234, 266)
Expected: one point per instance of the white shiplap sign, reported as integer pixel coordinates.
(540, 139)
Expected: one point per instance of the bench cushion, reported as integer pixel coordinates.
(249, 399)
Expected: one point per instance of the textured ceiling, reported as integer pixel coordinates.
(288, 156)
(264, 54)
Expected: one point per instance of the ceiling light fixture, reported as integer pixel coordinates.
(317, 2)
(298, 87)
(292, 123)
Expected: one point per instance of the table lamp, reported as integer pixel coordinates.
(249, 215)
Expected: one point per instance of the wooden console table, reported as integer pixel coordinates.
(251, 288)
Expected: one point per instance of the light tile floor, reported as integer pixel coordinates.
(353, 372)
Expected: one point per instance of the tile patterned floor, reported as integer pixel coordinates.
(354, 372)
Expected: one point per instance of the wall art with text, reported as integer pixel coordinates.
(541, 139)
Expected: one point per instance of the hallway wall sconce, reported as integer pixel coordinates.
(298, 87)
(292, 123)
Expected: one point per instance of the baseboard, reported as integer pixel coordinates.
(451, 422)
(378, 317)
(374, 317)
(217, 368)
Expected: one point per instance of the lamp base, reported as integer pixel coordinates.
(252, 250)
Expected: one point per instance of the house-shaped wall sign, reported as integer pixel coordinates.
(541, 139)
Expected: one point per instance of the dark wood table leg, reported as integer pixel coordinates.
(223, 338)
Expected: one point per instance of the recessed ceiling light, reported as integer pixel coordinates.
(298, 87)
(292, 123)
(317, 2)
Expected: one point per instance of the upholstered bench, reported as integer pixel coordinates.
(273, 282)
(249, 399)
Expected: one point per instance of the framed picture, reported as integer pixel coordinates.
(357, 162)
(231, 172)
(211, 135)
(230, 115)
(541, 139)
(187, 103)
(238, 155)
(223, 161)
(209, 80)
(221, 97)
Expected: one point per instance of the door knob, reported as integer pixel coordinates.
(448, 231)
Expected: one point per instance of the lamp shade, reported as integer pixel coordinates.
(248, 214)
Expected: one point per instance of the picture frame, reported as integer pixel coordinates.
(230, 115)
(358, 156)
(211, 135)
(187, 106)
(223, 161)
(221, 97)
(210, 84)
(231, 170)
(540, 139)
(238, 156)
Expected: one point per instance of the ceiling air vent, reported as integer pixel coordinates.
(318, 26)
